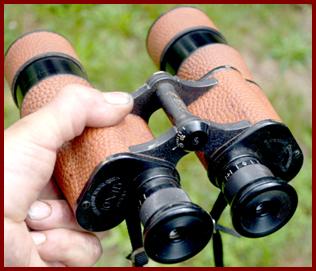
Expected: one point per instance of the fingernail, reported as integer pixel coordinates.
(39, 210)
(117, 98)
(38, 237)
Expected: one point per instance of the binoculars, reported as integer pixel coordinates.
(123, 172)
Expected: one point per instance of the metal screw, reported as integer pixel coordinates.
(181, 145)
(85, 204)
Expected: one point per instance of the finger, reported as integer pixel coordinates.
(51, 191)
(68, 247)
(51, 214)
(32, 142)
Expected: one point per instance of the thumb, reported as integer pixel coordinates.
(30, 145)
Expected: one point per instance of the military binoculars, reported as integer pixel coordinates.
(123, 172)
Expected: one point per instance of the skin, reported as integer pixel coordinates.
(53, 239)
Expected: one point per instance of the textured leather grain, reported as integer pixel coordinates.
(76, 159)
(32, 45)
(171, 23)
(210, 57)
(234, 98)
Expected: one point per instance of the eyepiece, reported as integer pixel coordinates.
(263, 207)
(177, 232)
(175, 229)
(260, 203)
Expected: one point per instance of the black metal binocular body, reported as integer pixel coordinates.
(243, 165)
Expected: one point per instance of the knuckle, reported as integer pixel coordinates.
(72, 88)
(64, 213)
(72, 100)
(64, 241)
(89, 246)
(76, 95)
(95, 248)
(72, 247)
(73, 94)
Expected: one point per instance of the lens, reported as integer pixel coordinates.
(177, 233)
(260, 203)
(263, 207)
(175, 229)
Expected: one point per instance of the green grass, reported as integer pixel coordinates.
(275, 41)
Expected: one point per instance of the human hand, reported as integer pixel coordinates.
(44, 232)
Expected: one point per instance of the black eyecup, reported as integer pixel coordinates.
(40, 68)
(192, 224)
(184, 44)
(263, 207)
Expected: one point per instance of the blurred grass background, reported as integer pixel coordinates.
(275, 41)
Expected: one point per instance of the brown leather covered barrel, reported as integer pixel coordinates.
(77, 159)
(236, 97)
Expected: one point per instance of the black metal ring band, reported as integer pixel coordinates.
(226, 67)
(184, 44)
(40, 69)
